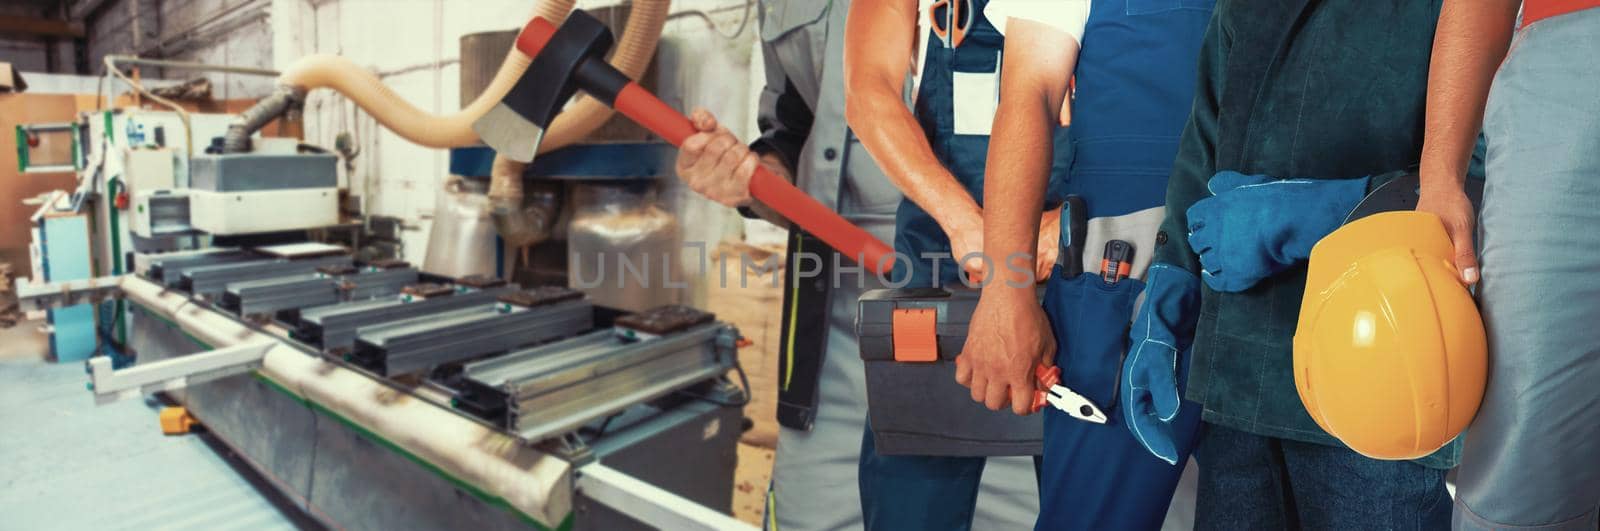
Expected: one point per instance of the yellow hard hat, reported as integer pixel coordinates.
(1390, 354)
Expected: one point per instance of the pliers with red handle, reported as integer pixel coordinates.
(1063, 398)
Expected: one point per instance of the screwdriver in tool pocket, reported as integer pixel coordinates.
(1075, 215)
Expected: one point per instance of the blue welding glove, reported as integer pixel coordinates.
(1161, 332)
(1254, 226)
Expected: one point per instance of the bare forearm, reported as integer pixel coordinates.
(1018, 169)
(896, 141)
(1468, 47)
(879, 42)
(1021, 149)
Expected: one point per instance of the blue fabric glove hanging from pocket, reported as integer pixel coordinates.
(1160, 334)
(1254, 226)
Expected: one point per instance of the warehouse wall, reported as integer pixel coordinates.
(234, 32)
(31, 54)
(413, 44)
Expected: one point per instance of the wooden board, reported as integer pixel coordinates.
(14, 186)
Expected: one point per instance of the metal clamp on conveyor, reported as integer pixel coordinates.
(327, 285)
(516, 319)
(552, 389)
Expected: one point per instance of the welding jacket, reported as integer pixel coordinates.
(1322, 89)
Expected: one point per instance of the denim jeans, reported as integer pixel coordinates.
(1531, 458)
(1250, 482)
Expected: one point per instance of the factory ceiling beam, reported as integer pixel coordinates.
(43, 27)
(85, 9)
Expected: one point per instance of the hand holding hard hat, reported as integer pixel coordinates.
(1390, 354)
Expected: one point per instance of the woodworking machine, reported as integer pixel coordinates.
(377, 396)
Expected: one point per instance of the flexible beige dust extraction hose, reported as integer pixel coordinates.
(517, 225)
(455, 130)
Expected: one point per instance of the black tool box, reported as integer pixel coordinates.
(915, 405)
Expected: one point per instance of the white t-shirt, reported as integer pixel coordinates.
(1066, 15)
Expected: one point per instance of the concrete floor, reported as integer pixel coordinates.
(23, 342)
(72, 465)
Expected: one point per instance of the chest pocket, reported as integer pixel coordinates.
(975, 99)
(796, 32)
(1146, 7)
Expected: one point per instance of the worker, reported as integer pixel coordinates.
(1134, 87)
(1528, 460)
(934, 151)
(1302, 107)
(822, 403)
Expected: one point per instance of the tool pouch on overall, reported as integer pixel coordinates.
(1090, 318)
(909, 342)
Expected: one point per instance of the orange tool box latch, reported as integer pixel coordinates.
(916, 336)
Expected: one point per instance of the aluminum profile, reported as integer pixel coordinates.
(421, 343)
(236, 295)
(168, 271)
(556, 388)
(214, 279)
(306, 290)
(333, 328)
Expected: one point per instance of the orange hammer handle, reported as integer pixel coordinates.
(850, 240)
(535, 35)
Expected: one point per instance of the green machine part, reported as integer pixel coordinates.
(24, 131)
(22, 150)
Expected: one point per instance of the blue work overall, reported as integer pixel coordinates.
(954, 82)
(940, 492)
(1135, 84)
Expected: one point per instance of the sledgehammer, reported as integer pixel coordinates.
(572, 58)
